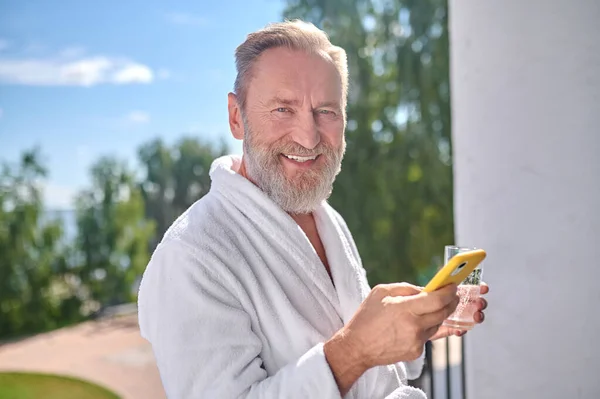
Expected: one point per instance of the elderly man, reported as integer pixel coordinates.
(257, 290)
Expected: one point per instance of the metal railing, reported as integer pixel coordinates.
(443, 375)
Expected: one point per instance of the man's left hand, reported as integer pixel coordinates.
(479, 316)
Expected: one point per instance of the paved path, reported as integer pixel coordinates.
(109, 352)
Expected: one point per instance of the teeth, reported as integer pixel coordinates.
(300, 159)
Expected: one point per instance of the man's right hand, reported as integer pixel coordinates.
(390, 326)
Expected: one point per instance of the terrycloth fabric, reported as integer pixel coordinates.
(237, 304)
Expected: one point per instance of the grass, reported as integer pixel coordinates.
(49, 386)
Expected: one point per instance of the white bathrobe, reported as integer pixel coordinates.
(237, 304)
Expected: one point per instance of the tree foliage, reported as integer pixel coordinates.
(175, 177)
(32, 260)
(395, 188)
(113, 234)
(47, 281)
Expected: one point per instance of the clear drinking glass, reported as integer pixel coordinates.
(468, 291)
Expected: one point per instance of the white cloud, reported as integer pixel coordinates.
(71, 68)
(138, 117)
(186, 19)
(58, 197)
(133, 73)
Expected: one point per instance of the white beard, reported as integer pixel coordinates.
(306, 191)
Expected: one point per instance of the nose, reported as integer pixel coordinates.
(307, 133)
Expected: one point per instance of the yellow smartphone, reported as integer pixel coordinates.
(456, 270)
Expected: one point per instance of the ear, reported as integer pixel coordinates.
(236, 124)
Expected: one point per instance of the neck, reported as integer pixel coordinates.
(242, 170)
(303, 220)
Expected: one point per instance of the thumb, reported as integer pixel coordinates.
(403, 289)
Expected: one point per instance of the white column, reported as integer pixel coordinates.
(526, 132)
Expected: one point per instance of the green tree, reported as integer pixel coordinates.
(175, 177)
(32, 259)
(395, 189)
(113, 234)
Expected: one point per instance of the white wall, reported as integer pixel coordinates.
(526, 132)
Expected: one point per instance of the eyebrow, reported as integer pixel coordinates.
(281, 100)
(286, 101)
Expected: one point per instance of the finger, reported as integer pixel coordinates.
(484, 288)
(482, 304)
(436, 318)
(479, 317)
(431, 302)
(401, 289)
(431, 331)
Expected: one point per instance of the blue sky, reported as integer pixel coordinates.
(84, 79)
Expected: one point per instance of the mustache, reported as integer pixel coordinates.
(297, 149)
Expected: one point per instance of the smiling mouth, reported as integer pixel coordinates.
(301, 159)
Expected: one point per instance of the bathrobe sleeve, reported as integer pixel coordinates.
(203, 341)
(415, 368)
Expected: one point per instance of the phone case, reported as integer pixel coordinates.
(457, 269)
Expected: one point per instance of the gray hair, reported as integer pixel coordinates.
(296, 35)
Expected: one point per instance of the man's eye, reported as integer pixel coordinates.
(282, 109)
(325, 112)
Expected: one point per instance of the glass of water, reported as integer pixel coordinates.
(468, 291)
